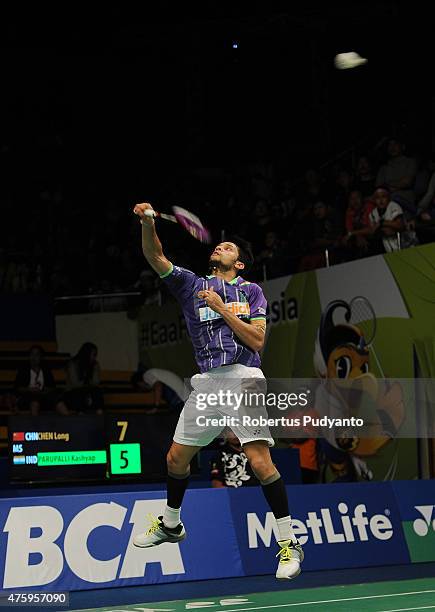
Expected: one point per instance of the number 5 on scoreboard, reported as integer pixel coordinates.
(123, 425)
(125, 458)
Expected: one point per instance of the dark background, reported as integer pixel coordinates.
(102, 107)
(118, 100)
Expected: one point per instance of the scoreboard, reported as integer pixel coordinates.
(54, 448)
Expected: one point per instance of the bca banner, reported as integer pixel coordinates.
(80, 542)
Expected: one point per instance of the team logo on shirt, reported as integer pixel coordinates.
(240, 309)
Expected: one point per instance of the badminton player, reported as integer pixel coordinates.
(226, 320)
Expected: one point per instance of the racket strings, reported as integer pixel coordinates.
(363, 316)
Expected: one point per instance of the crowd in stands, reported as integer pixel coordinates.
(35, 389)
(383, 201)
(350, 213)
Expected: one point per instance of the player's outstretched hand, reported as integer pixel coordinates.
(139, 210)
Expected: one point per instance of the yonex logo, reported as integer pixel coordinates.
(422, 525)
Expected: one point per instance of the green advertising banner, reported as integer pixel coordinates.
(397, 293)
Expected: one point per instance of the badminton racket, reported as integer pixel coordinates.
(188, 221)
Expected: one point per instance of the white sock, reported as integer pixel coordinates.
(285, 529)
(171, 517)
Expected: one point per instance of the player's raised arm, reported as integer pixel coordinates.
(151, 245)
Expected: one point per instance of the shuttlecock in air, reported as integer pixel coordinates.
(344, 61)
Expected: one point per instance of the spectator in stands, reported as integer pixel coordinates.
(425, 168)
(83, 391)
(271, 258)
(59, 283)
(388, 224)
(425, 221)
(113, 263)
(284, 209)
(398, 174)
(168, 387)
(342, 189)
(106, 298)
(308, 461)
(324, 233)
(261, 184)
(149, 286)
(230, 466)
(311, 190)
(34, 384)
(17, 277)
(8, 402)
(130, 267)
(306, 444)
(426, 206)
(364, 180)
(357, 225)
(261, 222)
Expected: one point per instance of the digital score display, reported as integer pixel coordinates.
(54, 449)
(138, 444)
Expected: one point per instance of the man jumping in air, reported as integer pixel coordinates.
(226, 320)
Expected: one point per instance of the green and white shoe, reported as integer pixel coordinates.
(290, 556)
(157, 533)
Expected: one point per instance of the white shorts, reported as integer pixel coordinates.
(204, 417)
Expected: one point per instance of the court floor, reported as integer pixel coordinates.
(390, 596)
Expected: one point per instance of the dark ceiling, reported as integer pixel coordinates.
(122, 89)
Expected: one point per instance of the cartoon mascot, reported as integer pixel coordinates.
(342, 361)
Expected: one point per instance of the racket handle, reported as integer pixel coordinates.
(150, 213)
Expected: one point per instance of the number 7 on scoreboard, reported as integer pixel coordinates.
(123, 425)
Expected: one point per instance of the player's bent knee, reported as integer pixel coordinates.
(262, 467)
(263, 470)
(260, 461)
(176, 463)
